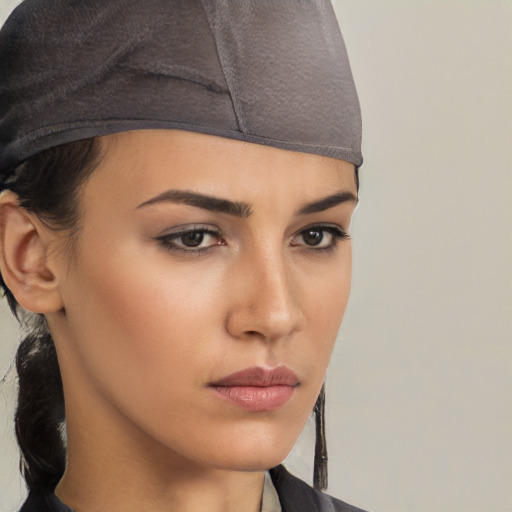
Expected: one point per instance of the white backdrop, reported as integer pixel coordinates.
(420, 386)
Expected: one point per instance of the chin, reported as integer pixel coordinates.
(255, 453)
(255, 463)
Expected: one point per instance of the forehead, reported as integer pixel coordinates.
(149, 161)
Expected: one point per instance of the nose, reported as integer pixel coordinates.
(265, 302)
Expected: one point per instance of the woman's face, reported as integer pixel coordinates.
(198, 258)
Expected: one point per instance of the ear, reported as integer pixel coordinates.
(24, 262)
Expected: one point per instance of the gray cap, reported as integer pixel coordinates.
(273, 72)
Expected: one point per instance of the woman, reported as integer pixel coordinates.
(179, 179)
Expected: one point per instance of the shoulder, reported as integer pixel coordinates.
(297, 496)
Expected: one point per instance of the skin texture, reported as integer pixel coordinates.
(143, 326)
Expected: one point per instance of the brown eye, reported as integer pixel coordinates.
(319, 237)
(192, 238)
(312, 236)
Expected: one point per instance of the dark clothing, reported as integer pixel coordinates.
(297, 496)
(294, 495)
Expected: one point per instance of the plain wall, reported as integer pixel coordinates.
(419, 389)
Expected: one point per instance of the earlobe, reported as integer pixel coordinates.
(24, 258)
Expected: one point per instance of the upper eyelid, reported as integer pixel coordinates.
(337, 231)
(169, 240)
(213, 230)
(181, 230)
(324, 226)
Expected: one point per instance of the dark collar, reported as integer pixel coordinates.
(297, 496)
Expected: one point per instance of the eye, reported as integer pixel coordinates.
(191, 240)
(319, 237)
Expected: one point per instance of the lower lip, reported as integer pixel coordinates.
(256, 398)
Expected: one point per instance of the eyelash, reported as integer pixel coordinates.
(337, 233)
(169, 241)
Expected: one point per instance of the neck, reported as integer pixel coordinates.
(118, 481)
(115, 468)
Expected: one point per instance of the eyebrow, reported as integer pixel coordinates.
(241, 209)
(238, 209)
(328, 202)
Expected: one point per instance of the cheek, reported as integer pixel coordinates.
(325, 303)
(324, 300)
(140, 327)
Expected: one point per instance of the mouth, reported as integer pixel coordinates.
(257, 389)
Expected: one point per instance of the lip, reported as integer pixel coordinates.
(257, 389)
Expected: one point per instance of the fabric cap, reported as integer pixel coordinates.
(273, 72)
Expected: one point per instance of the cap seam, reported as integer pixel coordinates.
(236, 106)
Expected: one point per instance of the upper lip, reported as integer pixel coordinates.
(261, 377)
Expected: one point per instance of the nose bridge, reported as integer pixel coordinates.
(273, 284)
(267, 305)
